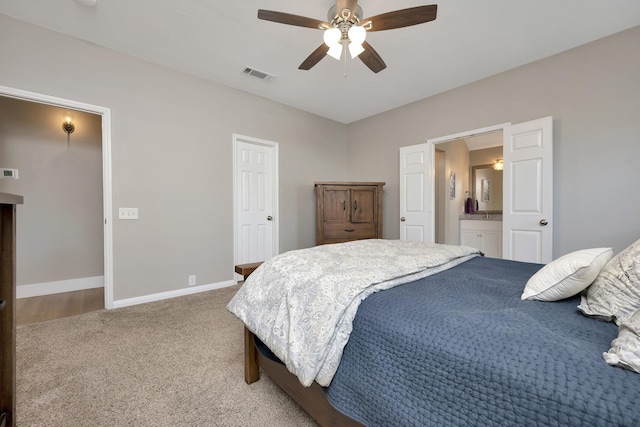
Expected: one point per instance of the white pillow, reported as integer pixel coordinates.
(567, 275)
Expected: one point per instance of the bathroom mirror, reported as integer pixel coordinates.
(486, 188)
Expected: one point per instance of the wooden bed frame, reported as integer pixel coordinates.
(312, 399)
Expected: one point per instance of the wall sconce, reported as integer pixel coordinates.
(68, 125)
(498, 165)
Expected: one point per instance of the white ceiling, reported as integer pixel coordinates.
(216, 40)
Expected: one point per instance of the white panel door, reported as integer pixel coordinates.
(254, 198)
(528, 191)
(415, 190)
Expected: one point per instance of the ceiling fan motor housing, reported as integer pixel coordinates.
(342, 20)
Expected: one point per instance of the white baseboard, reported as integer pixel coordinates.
(60, 286)
(172, 294)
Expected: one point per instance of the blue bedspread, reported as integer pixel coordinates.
(460, 348)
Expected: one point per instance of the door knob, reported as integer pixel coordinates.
(269, 218)
(403, 219)
(543, 222)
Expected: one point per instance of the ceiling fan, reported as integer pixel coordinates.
(345, 27)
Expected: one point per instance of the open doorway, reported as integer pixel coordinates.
(467, 163)
(447, 207)
(88, 119)
(55, 155)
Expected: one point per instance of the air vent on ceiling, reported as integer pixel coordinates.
(258, 74)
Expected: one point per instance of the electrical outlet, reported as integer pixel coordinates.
(192, 280)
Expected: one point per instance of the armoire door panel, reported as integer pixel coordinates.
(336, 205)
(363, 203)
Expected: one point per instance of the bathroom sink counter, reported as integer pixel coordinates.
(481, 216)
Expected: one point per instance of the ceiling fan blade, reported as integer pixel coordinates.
(371, 58)
(315, 57)
(402, 18)
(287, 18)
(346, 4)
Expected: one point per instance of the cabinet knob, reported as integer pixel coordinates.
(403, 219)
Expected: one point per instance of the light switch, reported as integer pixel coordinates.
(128, 213)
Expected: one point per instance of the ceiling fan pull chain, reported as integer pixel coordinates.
(344, 42)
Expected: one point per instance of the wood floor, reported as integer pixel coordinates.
(47, 307)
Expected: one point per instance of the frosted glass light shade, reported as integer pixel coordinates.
(356, 35)
(355, 49)
(332, 38)
(335, 51)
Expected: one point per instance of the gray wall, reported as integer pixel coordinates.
(593, 94)
(59, 232)
(456, 161)
(165, 121)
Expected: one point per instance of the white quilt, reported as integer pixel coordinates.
(301, 304)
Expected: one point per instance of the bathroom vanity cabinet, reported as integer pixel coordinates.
(485, 235)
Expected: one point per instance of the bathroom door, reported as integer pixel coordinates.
(528, 191)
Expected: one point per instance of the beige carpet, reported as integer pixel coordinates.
(173, 362)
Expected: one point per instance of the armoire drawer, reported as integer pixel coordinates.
(349, 230)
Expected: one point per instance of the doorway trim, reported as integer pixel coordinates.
(276, 196)
(107, 195)
(432, 148)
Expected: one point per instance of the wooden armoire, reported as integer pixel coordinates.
(348, 211)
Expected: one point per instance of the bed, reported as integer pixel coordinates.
(458, 346)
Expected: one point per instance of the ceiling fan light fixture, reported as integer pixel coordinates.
(332, 38)
(357, 35)
(335, 51)
(355, 49)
